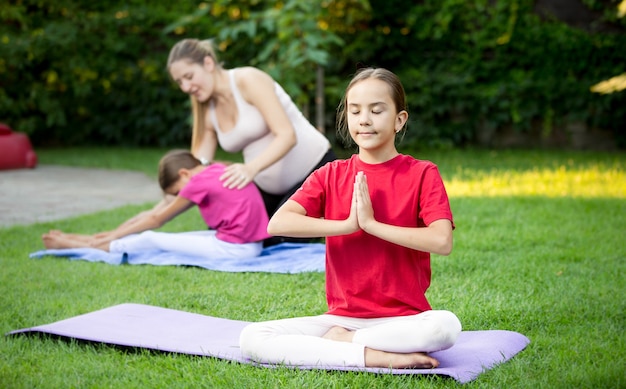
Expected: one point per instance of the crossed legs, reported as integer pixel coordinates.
(400, 342)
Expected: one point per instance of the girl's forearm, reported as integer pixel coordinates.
(141, 215)
(148, 221)
(436, 238)
(300, 226)
(155, 218)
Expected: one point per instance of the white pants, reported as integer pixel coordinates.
(196, 243)
(299, 341)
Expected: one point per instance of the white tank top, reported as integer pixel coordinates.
(251, 135)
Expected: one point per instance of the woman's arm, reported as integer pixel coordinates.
(258, 89)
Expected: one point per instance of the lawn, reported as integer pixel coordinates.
(539, 249)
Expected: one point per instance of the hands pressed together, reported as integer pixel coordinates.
(361, 210)
(239, 175)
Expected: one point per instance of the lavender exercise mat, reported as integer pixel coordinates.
(169, 330)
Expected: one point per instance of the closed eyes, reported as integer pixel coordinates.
(187, 76)
(373, 112)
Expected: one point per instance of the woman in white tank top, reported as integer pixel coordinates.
(244, 109)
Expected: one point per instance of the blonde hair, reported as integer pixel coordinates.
(171, 163)
(194, 51)
(395, 89)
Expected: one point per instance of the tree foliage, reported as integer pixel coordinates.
(89, 72)
(473, 68)
(83, 72)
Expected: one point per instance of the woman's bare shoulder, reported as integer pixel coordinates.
(253, 83)
(249, 76)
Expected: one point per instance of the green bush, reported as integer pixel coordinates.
(73, 72)
(481, 66)
(91, 72)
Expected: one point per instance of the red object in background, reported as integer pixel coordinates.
(16, 151)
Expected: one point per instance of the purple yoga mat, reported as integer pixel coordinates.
(169, 330)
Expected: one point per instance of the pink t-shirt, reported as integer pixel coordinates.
(238, 215)
(365, 275)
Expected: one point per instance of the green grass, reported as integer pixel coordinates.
(539, 249)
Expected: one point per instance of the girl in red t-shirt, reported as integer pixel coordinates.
(382, 214)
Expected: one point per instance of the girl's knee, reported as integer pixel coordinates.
(450, 321)
(247, 339)
(447, 328)
(251, 339)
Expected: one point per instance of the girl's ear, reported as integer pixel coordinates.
(401, 119)
(209, 63)
(183, 173)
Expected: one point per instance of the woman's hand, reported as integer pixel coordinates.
(237, 175)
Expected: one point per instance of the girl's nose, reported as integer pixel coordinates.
(184, 86)
(364, 119)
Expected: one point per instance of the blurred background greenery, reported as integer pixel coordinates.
(490, 73)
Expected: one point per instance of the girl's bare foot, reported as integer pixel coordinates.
(86, 239)
(377, 358)
(339, 334)
(63, 241)
(52, 240)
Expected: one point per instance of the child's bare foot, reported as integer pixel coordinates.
(64, 241)
(86, 239)
(339, 334)
(52, 240)
(377, 358)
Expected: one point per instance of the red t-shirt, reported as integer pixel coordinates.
(367, 276)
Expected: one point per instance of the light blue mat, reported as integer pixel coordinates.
(281, 258)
